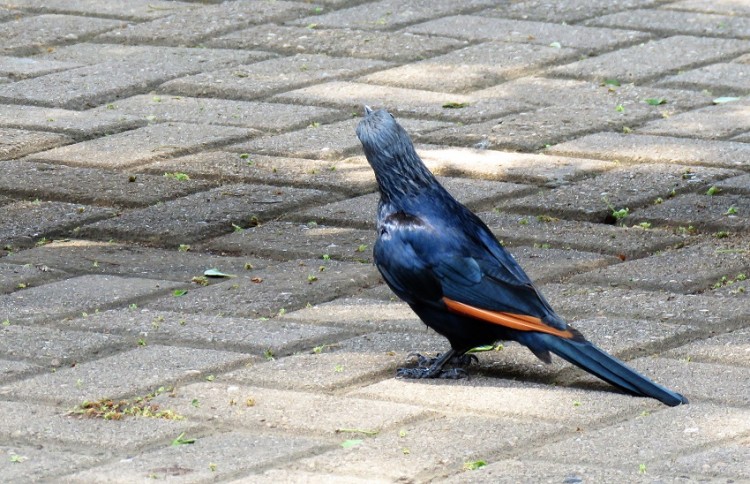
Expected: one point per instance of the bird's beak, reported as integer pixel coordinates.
(368, 110)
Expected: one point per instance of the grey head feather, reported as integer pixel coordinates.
(389, 150)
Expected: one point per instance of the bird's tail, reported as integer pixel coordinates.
(594, 360)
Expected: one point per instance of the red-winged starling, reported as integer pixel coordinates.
(444, 262)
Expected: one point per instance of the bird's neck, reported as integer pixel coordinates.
(404, 178)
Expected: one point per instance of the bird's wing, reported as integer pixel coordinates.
(425, 263)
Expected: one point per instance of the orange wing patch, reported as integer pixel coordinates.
(520, 322)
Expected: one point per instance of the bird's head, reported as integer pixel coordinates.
(391, 154)
(382, 136)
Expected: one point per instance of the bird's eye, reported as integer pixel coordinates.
(391, 116)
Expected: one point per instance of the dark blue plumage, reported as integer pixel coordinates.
(445, 263)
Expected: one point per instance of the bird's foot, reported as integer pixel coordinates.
(433, 367)
(427, 372)
(459, 361)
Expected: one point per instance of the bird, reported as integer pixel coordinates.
(445, 263)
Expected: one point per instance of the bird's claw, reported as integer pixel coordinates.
(427, 372)
(433, 367)
(460, 361)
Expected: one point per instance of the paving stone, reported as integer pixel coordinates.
(699, 382)
(402, 102)
(13, 277)
(142, 145)
(352, 176)
(729, 459)
(41, 425)
(271, 76)
(319, 414)
(574, 301)
(30, 35)
(328, 141)
(541, 91)
(671, 22)
(426, 448)
(289, 40)
(656, 58)
(508, 398)
(107, 81)
(290, 240)
(74, 296)
(691, 269)
(53, 348)
(719, 121)
(719, 213)
(335, 365)
(133, 10)
(736, 184)
(362, 312)
(586, 39)
(18, 142)
(138, 371)
(360, 212)
(89, 257)
(534, 129)
(88, 53)
(286, 475)
(91, 186)
(210, 457)
(544, 264)
(16, 68)
(13, 370)
(731, 348)
(206, 331)
(24, 223)
(280, 288)
(671, 434)
(719, 79)
(6, 13)
(472, 68)
(545, 170)
(216, 211)
(255, 115)
(544, 231)
(656, 149)
(595, 199)
(736, 286)
(513, 471)
(726, 8)
(563, 11)
(622, 337)
(38, 463)
(188, 27)
(390, 14)
(73, 123)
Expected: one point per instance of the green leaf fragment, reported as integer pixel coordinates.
(348, 444)
(181, 440)
(474, 465)
(655, 101)
(216, 273)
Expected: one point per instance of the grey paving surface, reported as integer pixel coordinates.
(186, 233)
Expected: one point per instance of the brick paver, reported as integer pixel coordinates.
(186, 227)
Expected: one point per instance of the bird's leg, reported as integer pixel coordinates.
(433, 367)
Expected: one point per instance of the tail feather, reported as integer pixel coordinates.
(594, 360)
